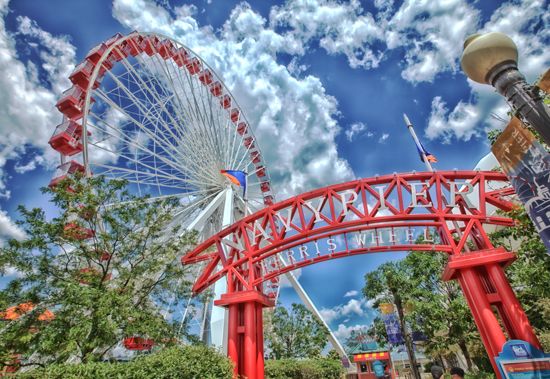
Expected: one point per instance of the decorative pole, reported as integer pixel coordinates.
(492, 58)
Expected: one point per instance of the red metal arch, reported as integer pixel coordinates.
(452, 204)
(455, 208)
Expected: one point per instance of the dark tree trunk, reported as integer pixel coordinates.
(466, 353)
(406, 336)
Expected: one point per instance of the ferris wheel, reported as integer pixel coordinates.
(147, 109)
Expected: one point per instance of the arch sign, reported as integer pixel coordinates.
(448, 211)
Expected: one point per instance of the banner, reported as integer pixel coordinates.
(521, 360)
(391, 322)
(527, 165)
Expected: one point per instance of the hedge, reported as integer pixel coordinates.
(189, 362)
(321, 368)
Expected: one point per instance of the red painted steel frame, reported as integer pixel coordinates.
(454, 204)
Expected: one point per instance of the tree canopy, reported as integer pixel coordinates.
(103, 267)
(295, 333)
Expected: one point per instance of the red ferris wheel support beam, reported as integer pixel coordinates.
(431, 211)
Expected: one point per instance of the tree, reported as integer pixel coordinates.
(438, 308)
(102, 267)
(295, 334)
(389, 283)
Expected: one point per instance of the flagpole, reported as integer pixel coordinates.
(430, 168)
(417, 142)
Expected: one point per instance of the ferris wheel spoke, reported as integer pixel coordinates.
(128, 174)
(175, 159)
(141, 162)
(174, 123)
(206, 153)
(173, 164)
(142, 108)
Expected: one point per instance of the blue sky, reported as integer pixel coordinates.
(327, 83)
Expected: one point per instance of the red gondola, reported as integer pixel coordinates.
(149, 44)
(138, 343)
(181, 57)
(260, 171)
(81, 75)
(264, 187)
(268, 200)
(248, 142)
(194, 66)
(225, 101)
(206, 77)
(96, 53)
(242, 128)
(64, 170)
(113, 39)
(255, 157)
(71, 103)
(234, 114)
(132, 46)
(216, 89)
(67, 138)
(166, 49)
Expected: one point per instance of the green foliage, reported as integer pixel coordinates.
(320, 368)
(295, 334)
(391, 283)
(377, 331)
(438, 308)
(100, 289)
(480, 375)
(189, 362)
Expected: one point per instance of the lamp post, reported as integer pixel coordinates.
(492, 59)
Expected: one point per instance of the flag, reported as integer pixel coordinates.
(421, 149)
(429, 156)
(236, 177)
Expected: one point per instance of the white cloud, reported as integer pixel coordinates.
(351, 293)
(460, 123)
(27, 105)
(8, 229)
(296, 116)
(424, 29)
(341, 28)
(469, 119)
(383, 138)
(285, 283)
(30, 165)
(343, 332)
(353, 306)
(356, 129)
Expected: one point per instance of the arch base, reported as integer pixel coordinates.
(245, 342)
(491, 299)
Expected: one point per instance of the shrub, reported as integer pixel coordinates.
(320, 368)
(189, 362)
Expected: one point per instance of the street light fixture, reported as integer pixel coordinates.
(492, 59)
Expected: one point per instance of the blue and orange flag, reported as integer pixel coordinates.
(429, 156)
(236, 177)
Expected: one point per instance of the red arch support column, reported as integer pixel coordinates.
(245, 344)
(486, 288)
